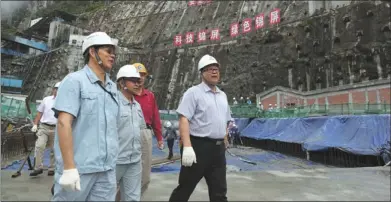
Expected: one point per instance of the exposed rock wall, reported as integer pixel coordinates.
(344, 45)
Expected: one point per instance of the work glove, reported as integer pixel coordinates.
(188, 157)
(70, 180)
(34, 128)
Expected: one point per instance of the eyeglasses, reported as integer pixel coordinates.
(108, 49)
(210, 70)
(133, 80)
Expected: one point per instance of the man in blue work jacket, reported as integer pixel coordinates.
(131, 121)
(86, 141)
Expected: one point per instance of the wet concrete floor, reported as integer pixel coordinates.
(347, 184)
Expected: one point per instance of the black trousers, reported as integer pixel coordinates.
(211, 164)
(170, 144)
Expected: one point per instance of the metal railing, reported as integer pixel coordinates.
(252, 111)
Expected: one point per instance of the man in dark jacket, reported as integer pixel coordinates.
(170, 135)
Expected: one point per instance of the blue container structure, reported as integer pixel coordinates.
(11, 84)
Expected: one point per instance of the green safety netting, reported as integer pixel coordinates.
(164, 116)
(16, 107)
(252, 111)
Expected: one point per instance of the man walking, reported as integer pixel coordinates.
(154, 127)
(131, 122)
(86, 142)
(204, 117)
(45, 134)
(170, 135)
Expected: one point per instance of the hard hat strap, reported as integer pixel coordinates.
(99, 60)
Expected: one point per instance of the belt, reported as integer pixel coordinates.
(208, 139)
(50, 125)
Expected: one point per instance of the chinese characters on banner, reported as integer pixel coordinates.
(198, 3)
(246, 25)
(259, 22)
(215, 34)
(275, 16)
(202, 36)
(236, 28)
(234, 31)
(189, 38)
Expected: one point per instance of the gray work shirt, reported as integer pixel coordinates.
(208, 112)
(130, 123)
(170, 133)
(94, 128)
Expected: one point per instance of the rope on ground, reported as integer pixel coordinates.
(241, 158)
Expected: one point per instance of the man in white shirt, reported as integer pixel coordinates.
(45, 134)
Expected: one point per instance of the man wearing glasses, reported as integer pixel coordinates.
(204, 117)
(86, 141)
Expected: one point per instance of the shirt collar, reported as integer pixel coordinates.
(207, 88)
(143, 92)
(93, 78)
(125, 100)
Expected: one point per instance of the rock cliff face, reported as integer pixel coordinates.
(347, 44)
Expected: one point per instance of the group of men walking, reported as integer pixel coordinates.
(103, 135)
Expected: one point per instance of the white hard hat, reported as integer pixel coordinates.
(234, 98)
(57, 85)
(207, 60)
(97, 38)
(128, 71)
(168, 124)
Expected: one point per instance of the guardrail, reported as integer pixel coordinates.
(15, 144)
(252, 111)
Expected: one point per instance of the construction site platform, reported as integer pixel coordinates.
(321, 184)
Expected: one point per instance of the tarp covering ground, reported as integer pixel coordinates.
(362, 135)
(242, 123)
(265, 160)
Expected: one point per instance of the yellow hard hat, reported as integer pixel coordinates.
(140, 68)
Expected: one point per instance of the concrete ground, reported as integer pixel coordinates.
(347, 184)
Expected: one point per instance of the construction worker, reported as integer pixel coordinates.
(154, 127)
(234, 133)
(248, 101)
(131, 122)
(204, 115)
(86, 142)
(235, 102)
(170, 136)
(45, 134)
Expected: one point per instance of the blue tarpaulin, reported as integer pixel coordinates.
(242, 123)
(363, 135)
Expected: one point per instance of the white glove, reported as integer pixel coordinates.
(188, 157)
(70, 180)
(34, 128)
